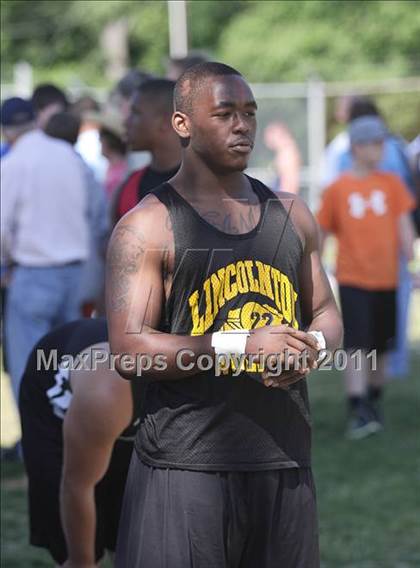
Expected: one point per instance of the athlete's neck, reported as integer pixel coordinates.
(194, 178)
(166, 157)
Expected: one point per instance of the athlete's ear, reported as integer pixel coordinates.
(181, 124)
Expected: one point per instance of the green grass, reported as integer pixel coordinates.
(15, 550)
(368, 491)
(14, 523)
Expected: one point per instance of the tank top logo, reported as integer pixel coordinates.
(276, 302)
(60, 395)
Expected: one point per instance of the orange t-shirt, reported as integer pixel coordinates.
(363, 214)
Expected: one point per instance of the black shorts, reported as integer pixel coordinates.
(190, 519)
(44, 473)
(369, 318)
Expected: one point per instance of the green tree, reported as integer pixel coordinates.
(288, 41)
(266, 40)
(51, 34)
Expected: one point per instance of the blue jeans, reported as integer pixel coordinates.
(38, 300)
(399, 357)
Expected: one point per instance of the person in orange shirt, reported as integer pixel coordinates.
(369, 213)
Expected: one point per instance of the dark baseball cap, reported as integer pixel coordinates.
(16, 112)
(366, 129)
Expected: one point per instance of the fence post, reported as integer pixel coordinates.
(114, 44)
(316, 116)
(23, 79)
(178, 32)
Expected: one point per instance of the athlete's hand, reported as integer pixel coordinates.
(285, 379)
(287, 343)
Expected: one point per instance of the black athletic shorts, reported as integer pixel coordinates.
(188, 519)
(369, 318)
(44, 465)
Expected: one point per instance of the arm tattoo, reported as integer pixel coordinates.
(124, 260)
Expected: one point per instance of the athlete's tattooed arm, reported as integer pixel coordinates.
(139, 270)
(124, 260)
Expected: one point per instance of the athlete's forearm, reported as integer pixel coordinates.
(78, 516)
(330, 323)
(163, 356)
(168, 354)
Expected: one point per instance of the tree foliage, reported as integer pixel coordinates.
(67, 33)
(266, 40)
(338, 40)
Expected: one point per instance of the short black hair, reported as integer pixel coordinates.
(129, 84)
(85, 104)
(64, 126)
(47, 94)
(362, 106)
(160, 92)
(193, 78)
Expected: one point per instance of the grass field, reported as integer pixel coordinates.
(368, 491)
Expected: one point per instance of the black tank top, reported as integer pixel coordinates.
(221, 282)
(46, 393)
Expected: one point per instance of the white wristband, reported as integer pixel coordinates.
(230, 342)
(319, 336)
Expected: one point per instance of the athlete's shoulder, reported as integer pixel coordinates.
(293, 203)
(150, 208)
(301, 216)
(282, 196)
(147, 221)
(261, 187)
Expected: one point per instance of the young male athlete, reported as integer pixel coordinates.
(214, 265)
(148, 128)
(77, 430)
